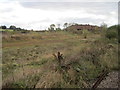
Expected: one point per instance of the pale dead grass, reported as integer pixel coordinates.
(49, 80)
(22, 73)
(52, 76)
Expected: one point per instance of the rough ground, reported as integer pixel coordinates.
(111, 81)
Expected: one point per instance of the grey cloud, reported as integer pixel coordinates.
(96, 8)
(65, 0)
(41, 21)
(68, 5)
(90, 7)
(7, 10)
(119, 12)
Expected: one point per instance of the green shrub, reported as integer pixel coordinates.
(110, 34)
(85, 33)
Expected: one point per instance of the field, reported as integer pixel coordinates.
(29, 60)
(9, 30)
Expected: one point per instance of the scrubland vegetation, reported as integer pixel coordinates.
(28, 59)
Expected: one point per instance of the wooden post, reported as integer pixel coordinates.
(60, 57)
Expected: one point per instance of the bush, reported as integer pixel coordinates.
(85, 33)
(111, 34)
(3, 27)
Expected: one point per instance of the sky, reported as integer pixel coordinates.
(39, 14)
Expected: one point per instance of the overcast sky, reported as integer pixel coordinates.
(39, 15)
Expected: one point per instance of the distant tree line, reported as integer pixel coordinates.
(52, 27)
(3, 27)
(14, 28)
(57, 27)
(11, 27)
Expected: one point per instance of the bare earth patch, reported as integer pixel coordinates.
(111, 81)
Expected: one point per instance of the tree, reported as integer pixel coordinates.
(12, 27)
(104, 29)
(70, 24)
(65, 25)
(49, 29)
(52, 27)
(104, 26)
(4, 27)
(18, 29)
(58, 27)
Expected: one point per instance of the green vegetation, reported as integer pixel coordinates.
(7, 30)
(28, 60)
(112, 32)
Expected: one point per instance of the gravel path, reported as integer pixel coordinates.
(111, 81)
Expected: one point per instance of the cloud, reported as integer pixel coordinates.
(39, 15)
(64, 0)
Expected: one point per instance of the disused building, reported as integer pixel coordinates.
(79, 27)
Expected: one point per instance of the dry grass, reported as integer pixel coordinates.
(31, 62)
